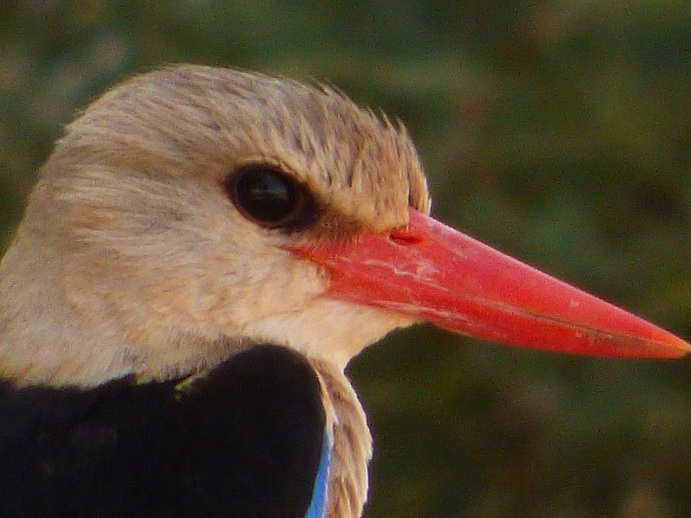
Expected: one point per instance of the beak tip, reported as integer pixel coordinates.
(670, 347)
(683, 348)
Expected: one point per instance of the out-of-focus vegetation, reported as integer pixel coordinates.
(557, 130)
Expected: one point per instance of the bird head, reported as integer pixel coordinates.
(193, 212)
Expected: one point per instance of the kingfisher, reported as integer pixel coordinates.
(204, 252)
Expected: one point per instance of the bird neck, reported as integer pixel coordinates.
(59, 328)
(352, 444)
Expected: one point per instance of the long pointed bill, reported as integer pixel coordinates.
(435, 273)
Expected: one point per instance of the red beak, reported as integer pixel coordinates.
(435, 273)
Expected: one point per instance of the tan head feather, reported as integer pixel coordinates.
(132, 259)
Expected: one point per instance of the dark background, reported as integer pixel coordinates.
(557, 131)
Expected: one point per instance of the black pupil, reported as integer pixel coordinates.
(267, 195)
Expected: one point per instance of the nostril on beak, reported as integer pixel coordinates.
(404, 237)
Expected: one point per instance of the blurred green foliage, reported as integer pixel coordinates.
(557, 130)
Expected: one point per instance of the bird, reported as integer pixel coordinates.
(204, 252)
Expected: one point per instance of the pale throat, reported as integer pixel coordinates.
(328, 330)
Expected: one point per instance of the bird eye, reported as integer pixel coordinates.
(270, 197)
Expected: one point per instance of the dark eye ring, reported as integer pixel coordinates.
(270, 197)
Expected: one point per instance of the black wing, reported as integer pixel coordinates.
(243, 441)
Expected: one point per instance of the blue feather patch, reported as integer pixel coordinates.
(317, 507)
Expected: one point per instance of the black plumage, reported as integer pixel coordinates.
(241, 440)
